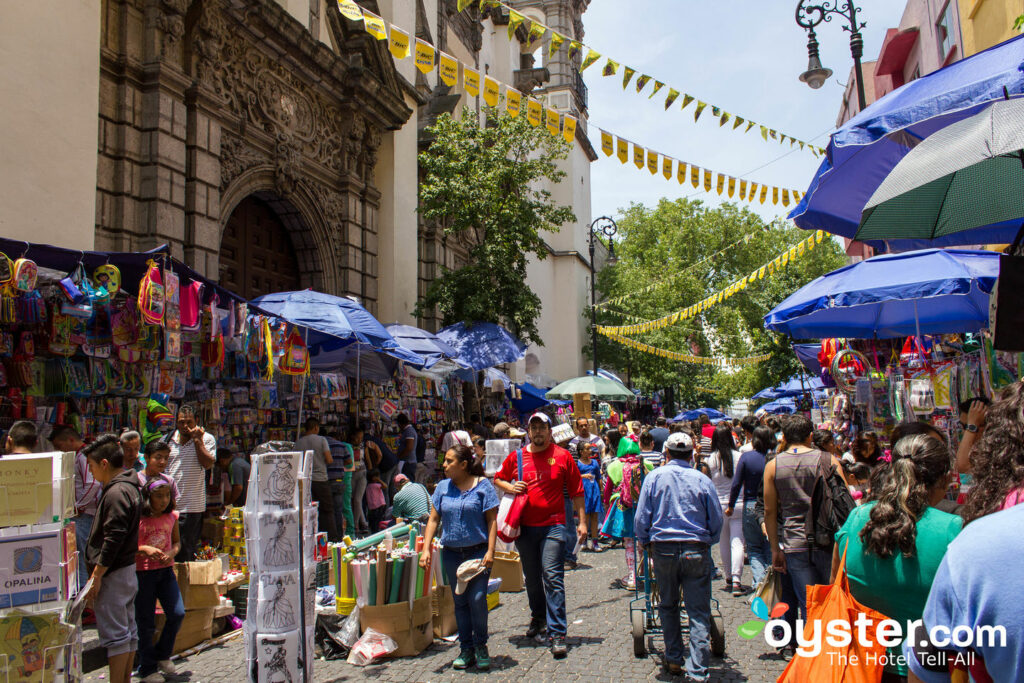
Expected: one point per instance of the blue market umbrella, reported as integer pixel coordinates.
(423, 343)
(533, 398)
(770, 393)
(334, 322)
(931, 291)
(795, 387)
(483, 345)
(864, 150)
(779, 407)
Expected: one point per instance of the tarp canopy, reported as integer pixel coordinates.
(483, 345)
(426, 344)
(713, 415)
(533, 398)
(334, 322)
(930, 291)
(865, 149)
(807, 354)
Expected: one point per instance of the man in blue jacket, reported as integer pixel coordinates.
(678, 518)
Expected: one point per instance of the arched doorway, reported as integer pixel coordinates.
(256, 252)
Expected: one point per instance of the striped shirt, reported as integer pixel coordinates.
(183, 466)
(412, 502)
(87, 489)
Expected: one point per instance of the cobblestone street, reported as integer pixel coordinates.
(599, 640)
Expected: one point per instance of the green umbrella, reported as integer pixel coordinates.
(597, 386)
(965, 176)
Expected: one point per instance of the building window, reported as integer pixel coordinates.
(945, 32)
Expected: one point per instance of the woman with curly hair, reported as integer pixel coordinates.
(895, 542)
(997, 460)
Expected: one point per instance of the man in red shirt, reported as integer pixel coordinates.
(548, 472)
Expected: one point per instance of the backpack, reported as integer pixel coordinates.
(632, 479)
(831, 504)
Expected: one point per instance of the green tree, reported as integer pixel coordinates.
(677, 244)
(485, 186)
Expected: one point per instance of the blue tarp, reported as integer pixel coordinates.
(334, 323)
(863, 152)
(944, 290)
(483, 345)
(713, 415)
(423, 343)
(807, 354)
(532, 400)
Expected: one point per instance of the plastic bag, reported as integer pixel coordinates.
(372, 645)
(349, 633)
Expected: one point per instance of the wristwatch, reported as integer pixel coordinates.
(973, 429)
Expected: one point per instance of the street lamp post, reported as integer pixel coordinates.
(608, 228)
(809, 16)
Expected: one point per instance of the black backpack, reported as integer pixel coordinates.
(831, 504)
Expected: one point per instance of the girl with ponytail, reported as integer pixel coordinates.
(895, 542)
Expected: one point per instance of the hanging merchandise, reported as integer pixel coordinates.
(922, 396)
(172, 316)
(25, 274)
(151, 295)
(295, 360)
(108, 277)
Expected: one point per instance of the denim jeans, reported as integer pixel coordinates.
(570, 532)
(807, 568)
(321, 491)
(341, 492)
(541, 550)
(471, 606)
(83, 527)
(162, 585)
(687, 566)
(758, 550)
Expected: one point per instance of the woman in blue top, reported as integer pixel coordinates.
(747, 478)
(466, 507)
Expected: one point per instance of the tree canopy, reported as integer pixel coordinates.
(486, 187)
(695, 251)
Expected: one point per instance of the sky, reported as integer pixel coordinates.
(744, 56)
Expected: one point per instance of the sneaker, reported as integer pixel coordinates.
(166, 666)
(738, 590)
(155, 677)
(483, 658)
(537, 627)
(558, 648)
(671, 668)
(465, 660)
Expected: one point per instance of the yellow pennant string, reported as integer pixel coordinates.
(666, 167)
(374, 25)
(638, 156)
(569, 129)
(470, 80)
(534, 112)
(513, 102)
(398, 43)
(607, 143)
(448, 69)
(623, 150)
(652, 161)
(553, 122)
(425, 53)
(350, 10)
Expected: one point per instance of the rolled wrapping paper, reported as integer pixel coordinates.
(381, 577)
(420, 573)
(344, 589)
(357, 577)
(396, 580)
(435, 564)
(356, 547)
(371, 598)
(412, 563)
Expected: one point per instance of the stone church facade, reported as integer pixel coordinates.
(245, 140)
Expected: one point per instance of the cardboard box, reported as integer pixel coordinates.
(413, 631)
(509, 569)
(213, 530)
(203, 573)
(199, 597)
(196, 627)
(581, 406)
(442, 605)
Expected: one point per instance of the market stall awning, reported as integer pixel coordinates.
(483, 345)
(931, 291)
(807, 354)
(864, 150)
(432, 348)
(598, 387)
(779, 407)
(334, 322)
(713, 415)
(533, 398)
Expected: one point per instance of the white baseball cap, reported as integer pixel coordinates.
(539, 416)
(679, 441)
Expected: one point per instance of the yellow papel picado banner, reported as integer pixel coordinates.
(476, 84)
(589, 56)
(767, 270)
(685, 357)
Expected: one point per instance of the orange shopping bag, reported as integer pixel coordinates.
(855, 663)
